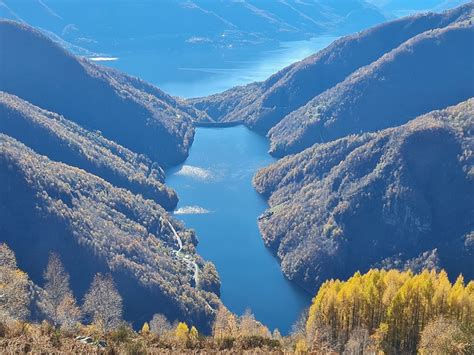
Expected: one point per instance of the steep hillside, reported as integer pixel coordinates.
(401, 197)
(125, 109)
(62, 140)
(48, 206)
(430, 71)
(262, 105)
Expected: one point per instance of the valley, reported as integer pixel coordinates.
(292, 150)
(218, 201)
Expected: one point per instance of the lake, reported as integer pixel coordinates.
(203, 71)
(217, 199)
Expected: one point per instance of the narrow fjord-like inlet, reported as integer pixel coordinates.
(218, 201)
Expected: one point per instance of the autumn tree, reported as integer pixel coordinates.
(145, 328)
(159, 325)
(225, 324)
(446, 336)
(248, 326)
(181, 332)
(56, 292)
(103, 303)
(392, 307)
(15, 294)
(68, 314)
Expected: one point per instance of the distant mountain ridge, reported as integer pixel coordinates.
(205, 22)
(262, 105)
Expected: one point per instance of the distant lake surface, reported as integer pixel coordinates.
(200, 71)
(217, 199)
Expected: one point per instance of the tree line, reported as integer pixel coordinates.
(381, 311)
(397, 312)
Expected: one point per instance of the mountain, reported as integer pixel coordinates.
(95, 227)
(406, 7)
(125, 109)
(61, 140)
(129, 24)
(400, 197)
(262, 105)
(430, 71)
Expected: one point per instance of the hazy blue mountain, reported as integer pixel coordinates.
(218, 38)
(406, 7)
(108, 24)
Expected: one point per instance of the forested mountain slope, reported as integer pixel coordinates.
(401, 197)
(95, 227)
(430, 71)
(50, 134)
(125, 109)
(262, 105)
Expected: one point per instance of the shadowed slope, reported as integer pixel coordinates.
(430, 71)
(125, 109)
(95, 227)
(62, 140)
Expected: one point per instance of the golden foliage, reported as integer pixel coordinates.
(393, 306)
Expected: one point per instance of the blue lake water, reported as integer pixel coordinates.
(201, 72)
(217, 199)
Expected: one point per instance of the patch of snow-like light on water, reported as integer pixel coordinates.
(195, 172)
(103, 59)
(191, 210)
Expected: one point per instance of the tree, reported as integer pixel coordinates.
(145, 328)
(225, 324)
(159, 325)
(181, 333)
(15, 294)
(193, 335)
(248, 326)
(55, 290)
(103, 303)
(445, 336)
(391, 306)
(276, 334)
(7, 257)
(68, 313)
(358, 343)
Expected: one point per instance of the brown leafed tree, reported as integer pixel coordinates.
(15, 294)
(68, 313)
(7, 257)
(159, 325)
(103, 303)
(55, 290)
(446, 336)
